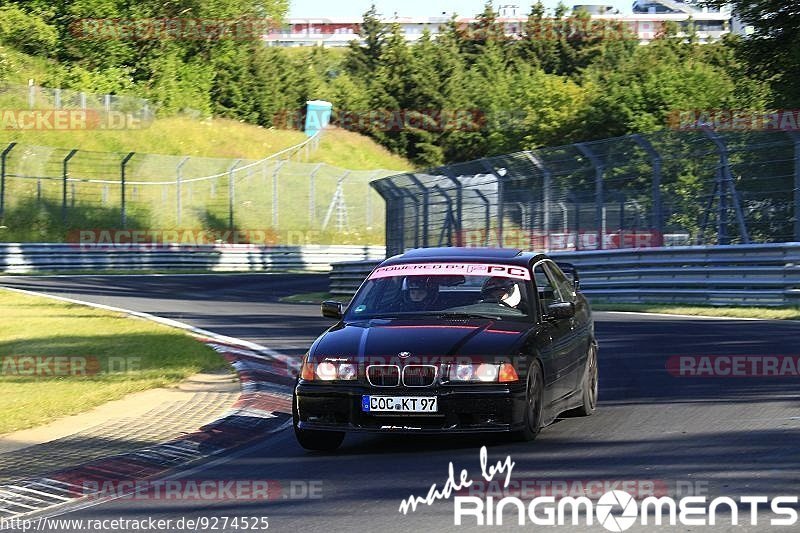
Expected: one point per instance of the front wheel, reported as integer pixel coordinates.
(590, 384)
(312, 439)
(534, 403)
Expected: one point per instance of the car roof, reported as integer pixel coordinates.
(510, 256)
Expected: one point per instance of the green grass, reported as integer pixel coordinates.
(309, 298)
(34, 326)
(771, 313)
(347, 149)
(22, 67)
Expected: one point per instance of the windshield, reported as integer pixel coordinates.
(444, 289)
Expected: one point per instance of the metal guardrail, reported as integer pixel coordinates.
(32, 258)
(749, 275)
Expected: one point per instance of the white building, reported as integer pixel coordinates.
(646, 21)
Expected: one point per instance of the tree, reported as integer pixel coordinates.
(362, 60)
(772, 52)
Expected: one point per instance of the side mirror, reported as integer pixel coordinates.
(560, 311)
(331, 309)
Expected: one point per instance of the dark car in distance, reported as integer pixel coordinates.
(451, 340)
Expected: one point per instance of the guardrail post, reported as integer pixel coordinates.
(178, 190)
(547, 185)
(796, 138)
(3, 159)
(64, 179)
(123, 211)
(231, 193)
(599, 172)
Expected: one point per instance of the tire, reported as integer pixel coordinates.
(534, 400)
(589, 387)
(315, 440)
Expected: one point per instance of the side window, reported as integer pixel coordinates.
(564, 285)
(548, 293)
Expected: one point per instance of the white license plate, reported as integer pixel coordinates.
(399, 404)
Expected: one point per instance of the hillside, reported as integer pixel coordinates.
(217, 138)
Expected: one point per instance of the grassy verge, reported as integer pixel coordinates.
(772, 313)
(309, 298)
(102, 357)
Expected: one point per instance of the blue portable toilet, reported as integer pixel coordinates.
(318, 115)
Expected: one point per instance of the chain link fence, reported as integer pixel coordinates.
(51, 194)
(13, 96)
(664, 189)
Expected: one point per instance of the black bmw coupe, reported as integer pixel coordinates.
(451, 340)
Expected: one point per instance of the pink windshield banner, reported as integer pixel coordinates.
(450, 269)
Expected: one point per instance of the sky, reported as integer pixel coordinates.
(423, 8)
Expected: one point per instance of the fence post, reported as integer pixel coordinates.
(796, 138)
(546, 196)
(231, 193)
(369, 199)
(275, 194)
(82, 96)
(501, 200)
(655, 158)
(459, 221)
(178, 191)
(726, 178)
(107, 103)
(312, 193)
(425, 208)
(64, 179)
(57, 96)
(599, 172)
(3, 158)
(123, 213)
(31, 95)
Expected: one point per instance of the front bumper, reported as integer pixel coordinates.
(461, 409)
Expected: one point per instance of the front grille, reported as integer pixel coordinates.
(383, 375)
(419, 375)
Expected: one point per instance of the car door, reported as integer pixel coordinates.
(575, 334)
(556, 357)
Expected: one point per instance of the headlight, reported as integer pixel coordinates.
(348, 371)
(329, 371)
(326, 371)
(483, 372)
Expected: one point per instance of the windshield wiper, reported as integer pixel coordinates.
(460, 314)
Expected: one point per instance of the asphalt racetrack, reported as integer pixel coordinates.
(654, 430)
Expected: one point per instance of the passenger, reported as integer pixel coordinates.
(504, 291)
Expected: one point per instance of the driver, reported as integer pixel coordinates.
(504, 291)
(419, 292)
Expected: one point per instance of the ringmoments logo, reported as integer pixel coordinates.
(616, 510)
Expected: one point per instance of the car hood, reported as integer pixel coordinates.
(387, 339)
